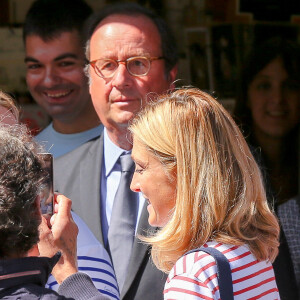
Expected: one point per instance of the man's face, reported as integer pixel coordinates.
(119, 98)
(55, 75)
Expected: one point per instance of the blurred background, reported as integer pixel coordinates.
(213, 37)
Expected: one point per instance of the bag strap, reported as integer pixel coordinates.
(223, 271)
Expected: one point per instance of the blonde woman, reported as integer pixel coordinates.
(203, 188)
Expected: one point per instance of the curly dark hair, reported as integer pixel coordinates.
(21, 178)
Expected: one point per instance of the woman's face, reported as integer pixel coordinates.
(6, 116)
(274, 101)
(150, 178)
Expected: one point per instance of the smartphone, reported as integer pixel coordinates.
(46, 194)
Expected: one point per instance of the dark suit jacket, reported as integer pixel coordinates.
(77, 175)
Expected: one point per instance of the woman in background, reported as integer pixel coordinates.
(203, 188)
(268, 111)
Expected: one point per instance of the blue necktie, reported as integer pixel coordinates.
(121, 230)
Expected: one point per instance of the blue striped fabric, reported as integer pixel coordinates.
(93, 260)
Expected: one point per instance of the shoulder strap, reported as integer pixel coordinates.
(223, 271)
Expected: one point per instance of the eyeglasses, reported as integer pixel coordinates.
(136, 66)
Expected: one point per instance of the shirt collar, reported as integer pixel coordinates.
(111, 153)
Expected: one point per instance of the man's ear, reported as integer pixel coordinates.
(172, 76)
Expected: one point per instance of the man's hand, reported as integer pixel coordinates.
(62, 236)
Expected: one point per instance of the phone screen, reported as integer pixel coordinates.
(47, 195)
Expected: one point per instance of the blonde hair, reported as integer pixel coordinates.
(7, 102)
(220, 194)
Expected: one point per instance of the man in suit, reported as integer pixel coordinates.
(132, 54)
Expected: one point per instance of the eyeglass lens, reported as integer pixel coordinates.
(136, 66)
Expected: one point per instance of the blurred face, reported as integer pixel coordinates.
(55, 75)
(150, 178)
(274, 101)
(6, 116)
(119, 98)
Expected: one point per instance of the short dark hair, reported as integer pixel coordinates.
(21, 178)
(168, 43)
(258, 59)
(49, 18)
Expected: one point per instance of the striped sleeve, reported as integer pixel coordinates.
(186, 282)
(194, 276)
(101, 272)
(183, 287)
(93, 260)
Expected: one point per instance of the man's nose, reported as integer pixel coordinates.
(121, 78)
(51, 77)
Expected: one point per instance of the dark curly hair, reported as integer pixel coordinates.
(21, 178)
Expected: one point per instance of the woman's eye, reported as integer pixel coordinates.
(263, 86)
(140, 171)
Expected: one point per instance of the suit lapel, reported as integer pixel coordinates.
(139, 251)
(90, 182)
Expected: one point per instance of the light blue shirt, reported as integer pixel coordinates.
(59, 143)
(110, 179)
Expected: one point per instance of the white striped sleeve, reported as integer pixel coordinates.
(186, 282)
(93, 260)
(194, 276)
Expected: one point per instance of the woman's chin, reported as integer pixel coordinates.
(152, 220)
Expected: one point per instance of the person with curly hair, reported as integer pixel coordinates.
(24, 232)
(92, 257)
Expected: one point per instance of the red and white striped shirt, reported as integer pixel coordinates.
(194, 276)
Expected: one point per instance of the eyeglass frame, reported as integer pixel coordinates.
(124, 62)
